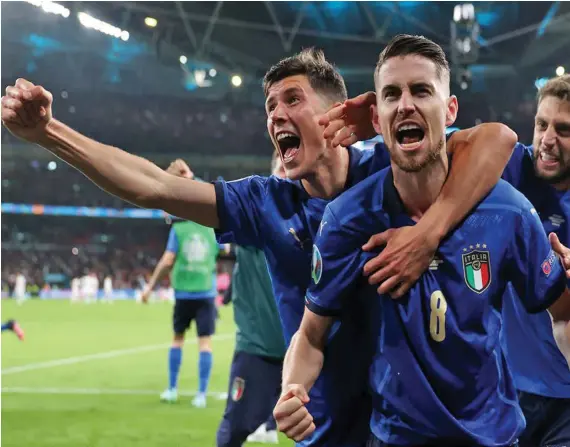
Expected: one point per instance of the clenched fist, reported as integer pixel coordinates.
(292, 416)
(179, 168)
(26, 110)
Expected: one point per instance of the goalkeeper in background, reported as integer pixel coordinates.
(190, 255)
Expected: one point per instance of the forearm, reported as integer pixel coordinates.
(303, 362)
(122, 174)
(130, 177)
(160, 270)
(479, 157)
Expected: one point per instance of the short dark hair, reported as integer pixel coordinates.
(559, 87)
(311, 62)
(406, 44)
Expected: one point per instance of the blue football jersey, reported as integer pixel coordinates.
(537, 365)
(279, 217)
(439, 374)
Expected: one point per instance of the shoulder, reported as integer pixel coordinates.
(359, 203)
(506, 197)
(261, 186)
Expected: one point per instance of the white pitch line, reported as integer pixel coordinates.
(97, 356)
(101, 391)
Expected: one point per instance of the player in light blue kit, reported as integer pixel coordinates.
(438, 375)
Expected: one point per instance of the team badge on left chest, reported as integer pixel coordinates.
(316, 265)
(477, 267)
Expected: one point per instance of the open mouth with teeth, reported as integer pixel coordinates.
(548, 159)
(289, 145)
(410, 136)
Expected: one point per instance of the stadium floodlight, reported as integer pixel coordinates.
(213, 72)
(560, 71)
(103, 27)
(236, 80)
(200, 78)
(183, 59)
(151, 22)
(51, 7)
(464, 13)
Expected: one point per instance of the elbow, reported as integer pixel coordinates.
(503, 137)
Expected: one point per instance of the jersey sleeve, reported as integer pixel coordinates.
(172, 244)
(336, 267)
(515, 168)
(239, 205)
(537, 274)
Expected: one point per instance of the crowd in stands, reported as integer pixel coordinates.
(44, 247)
(140, 124)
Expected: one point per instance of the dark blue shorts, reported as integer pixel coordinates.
(201, 310)
(547, 421)
(255, 385)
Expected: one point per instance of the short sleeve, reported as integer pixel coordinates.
(172, 244)
(336, 266)
(537, 274)
(240, 204)
(514, 171)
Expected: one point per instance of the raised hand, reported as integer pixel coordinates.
(350, 121)
(26, 110)
(562, 251)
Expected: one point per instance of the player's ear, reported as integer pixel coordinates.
(375, 119)
(452, 109)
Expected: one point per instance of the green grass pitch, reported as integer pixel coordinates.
(89, 375)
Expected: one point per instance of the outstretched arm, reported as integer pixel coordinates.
(26, 113)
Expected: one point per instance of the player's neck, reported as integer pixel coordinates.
(329, 178)
(419, 190)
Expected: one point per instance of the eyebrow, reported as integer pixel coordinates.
(413, 86)
(564, 125)
(288, 91)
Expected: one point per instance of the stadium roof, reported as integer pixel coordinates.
(517, 39)
(250, 36)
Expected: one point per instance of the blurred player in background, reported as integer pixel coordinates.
(282, 216)
(12, 325)
(255, 375)
(75, 289)
(89, 287)
(191, 255)
(108, 289)
(540, 371)
(20, 288)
